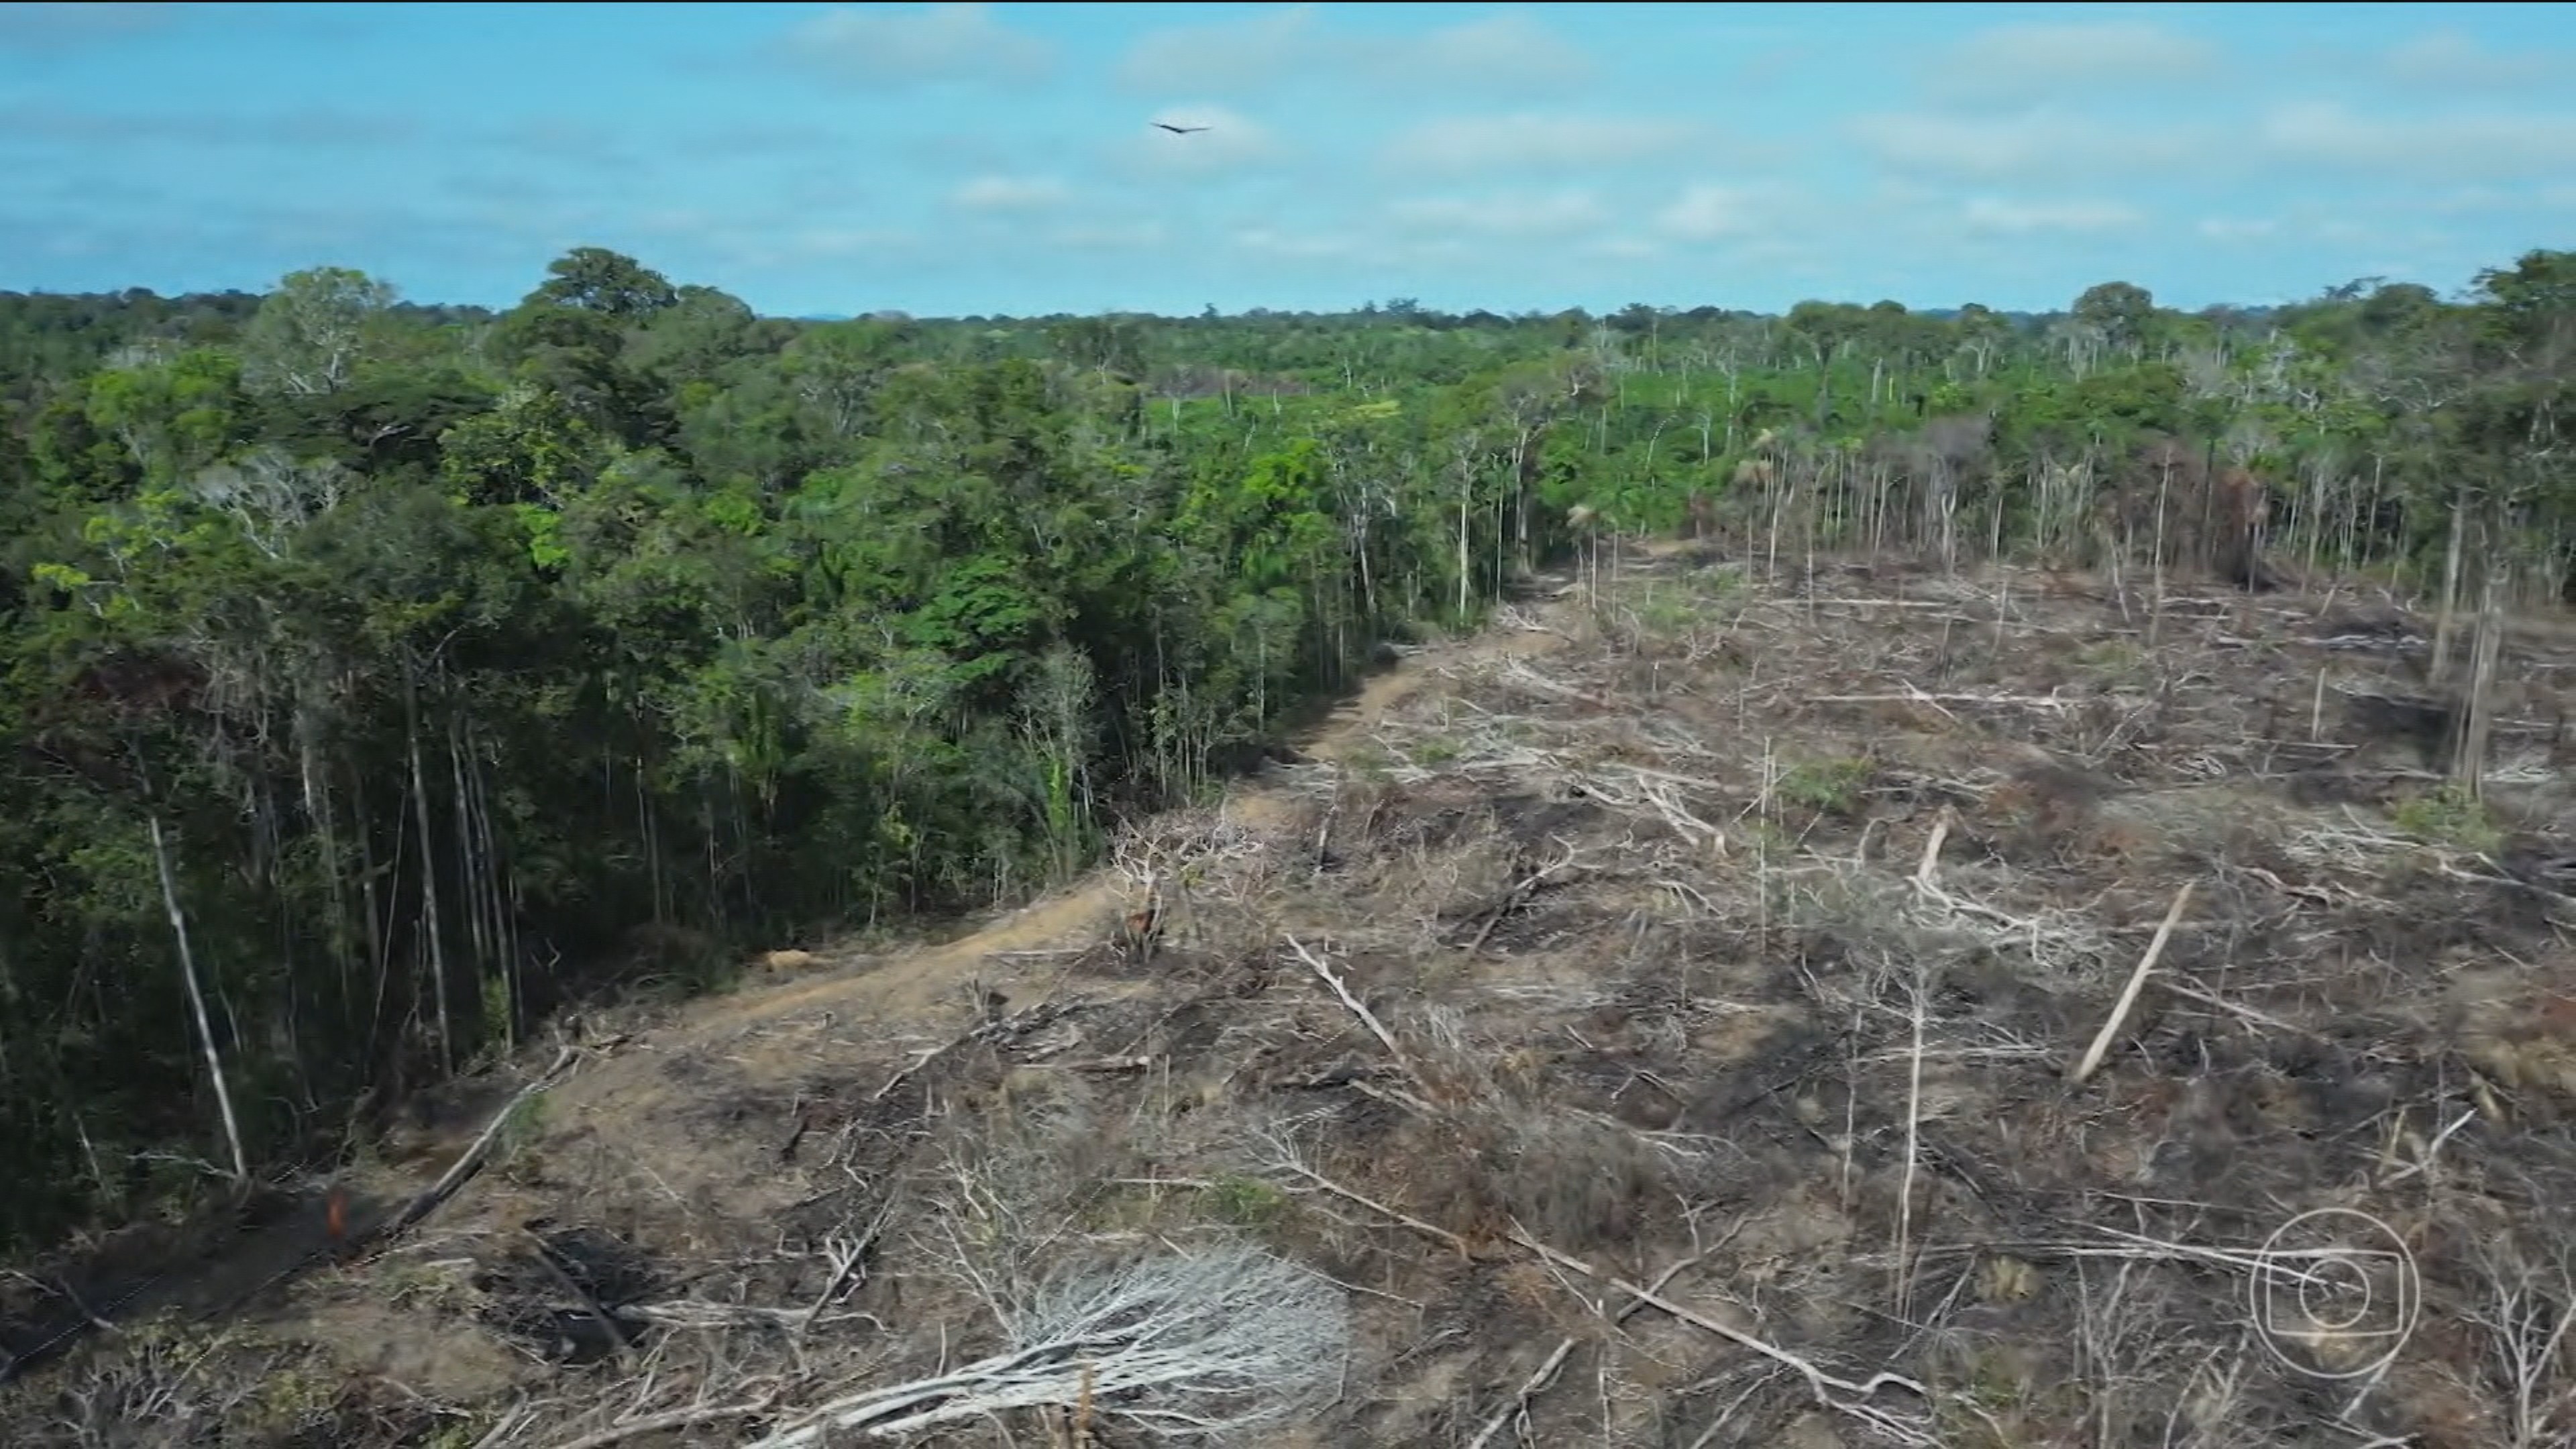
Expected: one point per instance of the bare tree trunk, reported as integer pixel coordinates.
(2477, 708)
(2156, 608)
(428, 875)
(1466, 485)
(379, 951)
(469, 870)
(2443, 623)
(197, 1004)
(319, 812)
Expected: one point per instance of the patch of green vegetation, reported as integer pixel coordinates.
(2115, 657)
(1996, 1401)
(2448, 816)
(293, 1398)
(1673, 608)
(1245, 1202)
(1437, 971)
(696, 975)
(1663, 615)
(409, 1283)
(1830, 785)
(1127, 1210)
(1764, 839)
(1719, 583)
(1436, 750)
(514, 1150)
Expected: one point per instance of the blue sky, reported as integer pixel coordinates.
(946, 159)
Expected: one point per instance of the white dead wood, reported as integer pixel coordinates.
(1519, 895)
(197, 1004)
(1913, 1143)
(665, 1422)
(1843, 1395)
(1516, 1412)
(2237, 1009)
(1663, 796)
(1210, 1343)
(1824, 1386)
(1359, 1009)
(2424, 1158)
(2527, 1320)
(2129, 994)
(1916, 696)
(1530, 1388)
(2051, 938)
(480, 1149)
(272, 495)
(1287, 1162)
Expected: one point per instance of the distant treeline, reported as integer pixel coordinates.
(434, 665)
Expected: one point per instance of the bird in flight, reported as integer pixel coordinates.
(1179, 130)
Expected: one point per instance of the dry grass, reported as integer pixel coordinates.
(1655, 995)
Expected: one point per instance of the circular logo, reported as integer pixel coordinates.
(2335, 1294)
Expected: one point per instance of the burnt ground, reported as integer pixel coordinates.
(1731, 940)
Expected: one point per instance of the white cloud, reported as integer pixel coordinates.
(2494, 200)
(1713, 213)
(2326, 133)
(2237, 229)
(1508, 214)
(2022, 62)
(1133, 237)
(1506, 53)
(1292, 246)
(2447, 59)
(1228, 142)
(813, 244)
(1235, 56)
(951, 42)
(1010, 193)
(1623, 248)
(1530, 141)
(1995, 216)
(2034, 145)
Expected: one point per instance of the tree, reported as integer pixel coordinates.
(2121, 311)
(312, 331)
(596, 279)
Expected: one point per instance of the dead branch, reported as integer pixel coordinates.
(1288, 1163)
(1536, 1384)
(1824, 1385)
(1367, 1018)
(589, 1301)
(472, 1162)
(2129, 994)
(1214, 1342)
(675, 1419)
(1514, 898)
(851, 1259)
(1530, 1388)
(1818, 1381)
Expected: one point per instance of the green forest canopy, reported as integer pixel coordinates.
(442, 650)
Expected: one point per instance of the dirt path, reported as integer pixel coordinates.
(892, 988)
(915, 980)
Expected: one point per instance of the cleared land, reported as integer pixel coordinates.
(1654, 1022)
